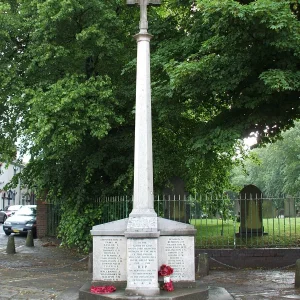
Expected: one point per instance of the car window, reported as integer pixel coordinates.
(26, 211)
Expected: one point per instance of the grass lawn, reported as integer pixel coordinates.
(213, 233)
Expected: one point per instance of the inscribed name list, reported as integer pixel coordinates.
(179, 253)
(109, 258)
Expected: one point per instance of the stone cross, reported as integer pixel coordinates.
(143, 202)
(143, 11)
(142, 229)
(130, 250)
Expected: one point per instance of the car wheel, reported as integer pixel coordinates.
(4, 218)
(7, 233)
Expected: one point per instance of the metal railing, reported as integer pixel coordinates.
(224, 222)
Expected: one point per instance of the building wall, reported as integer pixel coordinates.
(18, 195)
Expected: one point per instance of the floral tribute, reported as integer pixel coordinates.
(106, 289)
(166, 271)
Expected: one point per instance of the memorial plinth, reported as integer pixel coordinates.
(114, 254)
(131, 263)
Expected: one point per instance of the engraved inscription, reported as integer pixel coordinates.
(111, 259)
(142, 262)
(178, 252)
(142, 222)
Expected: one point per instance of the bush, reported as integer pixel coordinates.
(75, 226)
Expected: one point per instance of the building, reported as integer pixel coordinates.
(18, 195)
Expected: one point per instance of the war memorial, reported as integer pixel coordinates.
(128, 253)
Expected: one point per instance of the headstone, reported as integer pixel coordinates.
(251, 223)
(269, 209)
(289, 207)
(175, 203)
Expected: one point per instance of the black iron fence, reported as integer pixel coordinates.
(53, 218)
(224, 222)
(221, 221)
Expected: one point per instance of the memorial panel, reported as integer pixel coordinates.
(109, 258)
(178, 252)
(145, 223)
(142, 263)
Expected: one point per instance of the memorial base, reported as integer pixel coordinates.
(142, 292)
(197, 293)
(123, 255)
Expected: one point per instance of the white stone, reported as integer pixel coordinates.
(110, 228)
(142, 223)
(142, 261)
(110, 255)
(143, 201)
(178, 252)
(169, 227)
(109, 258)
(142, 266)
(133, 249)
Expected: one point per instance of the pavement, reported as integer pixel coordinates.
(254, 284)
(47, 271)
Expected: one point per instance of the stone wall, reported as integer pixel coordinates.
(266, 258)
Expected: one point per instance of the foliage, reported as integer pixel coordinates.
(220, 70)
(75, 225)
(232, 69)
(276, 168)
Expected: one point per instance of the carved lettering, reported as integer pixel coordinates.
(178, 252)
(142, 262)
(142, 223)
(111, 259)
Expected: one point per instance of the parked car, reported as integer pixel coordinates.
(8, 211)
(22, 221)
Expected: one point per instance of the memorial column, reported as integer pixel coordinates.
(142, 233)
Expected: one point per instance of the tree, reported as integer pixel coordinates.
(233, 71)
(62, 92)
(220, 70)
(276, 169)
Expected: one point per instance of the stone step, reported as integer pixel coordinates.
(199, 293)
(218, 293)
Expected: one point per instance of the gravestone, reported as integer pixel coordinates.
(175, 203)
(250, 201)
(269, 209)
(289, 207)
